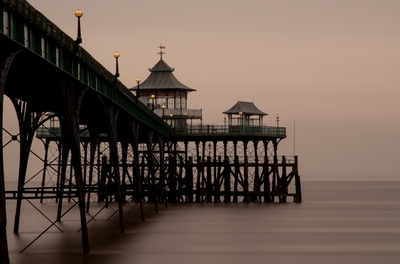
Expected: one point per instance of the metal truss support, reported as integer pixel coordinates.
(111, 116)
(94, 141)
(4, 256)
(137, 179)
(62, 177)
(124, 156)
(45, 166)
(265, 174)
(236, 172)
(162, 169)
(153, 194)
(256, 197)
(298, 197)
(246, 173)
(28, 121)
(199, 175)
(227, 178)
(70, 131)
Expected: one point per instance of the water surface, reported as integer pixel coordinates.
(338, 222)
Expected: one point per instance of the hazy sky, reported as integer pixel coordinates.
(329, 67)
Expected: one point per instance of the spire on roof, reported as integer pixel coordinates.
(161, 77)
(161, 47)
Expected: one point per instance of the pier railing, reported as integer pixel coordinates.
(178, 113)
(230, 130)
(43, 131)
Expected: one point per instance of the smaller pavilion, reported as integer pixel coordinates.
(166, 95)
(241, 114)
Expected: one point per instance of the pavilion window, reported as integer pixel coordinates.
(178, 102)
(78, 71)
(57, 56)
(6, 23)
(184, 103)
(44, 47)
(12, 31)
(170, 103)
(26, 36)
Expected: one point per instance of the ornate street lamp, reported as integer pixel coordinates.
(241, 121)
(137, 92)
(277, 120)
(116, 56)
(225, 117)
(79, 14)
(153, 97)
(163, 110)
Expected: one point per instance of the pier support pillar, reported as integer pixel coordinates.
(227, 181)
(298, 197)
(267, 184)
(246, 173)
(111, 120)
(162, 170)
(137, 179)
(283, 181)
(28, 121)
(151, 170)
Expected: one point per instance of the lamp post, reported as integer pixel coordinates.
(184, 125)
(137, 92)
(116, 56)
(79, 14)
(171, 115)
(163, 110)
(225, 117)
(277, 120)
(153, 97)
(241, 121)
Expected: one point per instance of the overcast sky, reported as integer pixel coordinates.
(330, 69)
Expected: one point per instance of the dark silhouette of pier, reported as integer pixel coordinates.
(104, 142)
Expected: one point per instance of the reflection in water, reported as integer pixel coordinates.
(336, 223)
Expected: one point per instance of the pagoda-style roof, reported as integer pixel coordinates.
(162, 78)
(246, 108)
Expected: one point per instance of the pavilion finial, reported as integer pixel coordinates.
(161, 47)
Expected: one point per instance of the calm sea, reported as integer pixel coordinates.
(338, 222)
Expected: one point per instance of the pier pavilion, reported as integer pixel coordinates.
(235, 161)
(166, 95)
(232, 162)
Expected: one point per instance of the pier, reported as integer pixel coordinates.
(104, 142)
